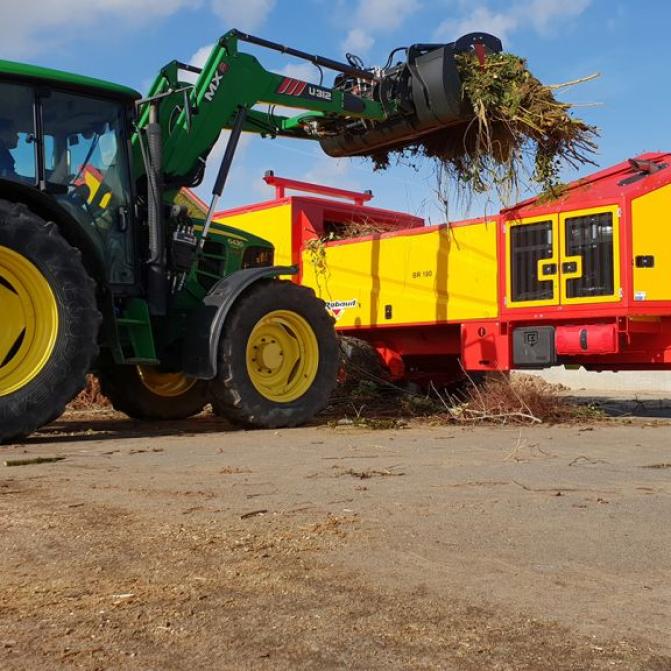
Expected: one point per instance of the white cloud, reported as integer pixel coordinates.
(482, 19)
(36, 26)
(540, 15)
(243, 14)
(358, 41)
(200, 57)
(219, 148)
(376, 16)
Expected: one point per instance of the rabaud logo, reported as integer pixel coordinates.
(338, 307)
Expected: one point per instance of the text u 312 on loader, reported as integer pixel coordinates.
(101, 271)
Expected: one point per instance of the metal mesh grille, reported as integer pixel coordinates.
(591, 238)
(529, 243)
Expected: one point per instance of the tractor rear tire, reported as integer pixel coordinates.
(143, 392)
(278, 358)
(49, 334)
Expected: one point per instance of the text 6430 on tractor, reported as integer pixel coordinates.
(100, 270)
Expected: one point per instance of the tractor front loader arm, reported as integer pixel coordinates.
(192, 116)
(365, 109)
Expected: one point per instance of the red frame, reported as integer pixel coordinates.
(281, 184)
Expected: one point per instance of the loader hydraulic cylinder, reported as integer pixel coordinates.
(157, 281)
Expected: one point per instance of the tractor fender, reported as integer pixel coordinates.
(201, 343)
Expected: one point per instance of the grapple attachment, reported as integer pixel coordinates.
(421, 95)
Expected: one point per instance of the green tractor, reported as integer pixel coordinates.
(101, 271)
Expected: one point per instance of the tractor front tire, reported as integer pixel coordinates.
(278, 358)
(145, 392)
(50, 321)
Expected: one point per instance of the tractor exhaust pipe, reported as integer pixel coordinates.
(426, 91)
(157, 279)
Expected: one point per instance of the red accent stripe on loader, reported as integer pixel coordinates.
(293, 88)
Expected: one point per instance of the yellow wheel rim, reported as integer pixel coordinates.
(282, 356)
(167, 385)
(29, 321)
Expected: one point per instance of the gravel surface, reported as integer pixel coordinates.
(188, 545)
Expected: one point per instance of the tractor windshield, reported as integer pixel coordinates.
(86, 168)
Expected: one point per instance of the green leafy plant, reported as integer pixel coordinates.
(517, 129)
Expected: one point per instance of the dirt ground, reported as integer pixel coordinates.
(191, 546)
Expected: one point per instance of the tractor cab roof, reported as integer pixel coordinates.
(81, 83)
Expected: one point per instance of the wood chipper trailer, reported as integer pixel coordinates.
(582, 280)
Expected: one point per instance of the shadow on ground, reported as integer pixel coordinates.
(84, 426)
(80, 426)
(643, 407)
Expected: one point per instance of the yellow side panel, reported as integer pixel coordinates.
(472, 272)
(443, 274)
(272, 224)
(651, 226)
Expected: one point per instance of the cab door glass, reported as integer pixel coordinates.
(86, 169)
(589, 240)
(17, 133)
(529, 244)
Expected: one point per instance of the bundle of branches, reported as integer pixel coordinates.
(356, 229)
(520, 399)
(518, 128)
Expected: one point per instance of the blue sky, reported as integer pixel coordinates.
(127, 41)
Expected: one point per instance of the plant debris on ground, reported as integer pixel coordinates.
(374, 403)
(91, 397)
(518, 126)
(520, 399)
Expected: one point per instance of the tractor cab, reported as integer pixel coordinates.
(69, 140)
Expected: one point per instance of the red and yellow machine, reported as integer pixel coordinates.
(581, 280)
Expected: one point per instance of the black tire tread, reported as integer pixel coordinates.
(232, 394)
(64, 375)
